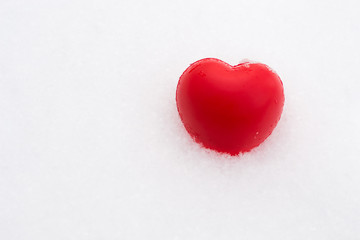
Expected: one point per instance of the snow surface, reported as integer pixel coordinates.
(91, 146)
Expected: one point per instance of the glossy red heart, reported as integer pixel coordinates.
(230, 109)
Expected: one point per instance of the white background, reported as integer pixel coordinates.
(91, 145)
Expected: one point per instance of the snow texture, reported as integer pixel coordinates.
(91, 145)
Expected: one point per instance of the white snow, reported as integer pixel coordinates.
(91, 146)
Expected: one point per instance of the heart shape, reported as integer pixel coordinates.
(229, 109)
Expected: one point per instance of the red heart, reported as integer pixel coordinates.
(228, 108)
